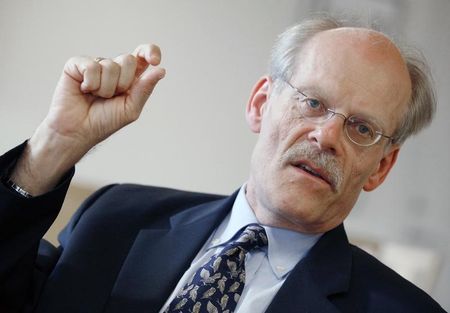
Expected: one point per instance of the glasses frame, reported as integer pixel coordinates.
(332, 113)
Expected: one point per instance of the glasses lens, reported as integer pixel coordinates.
(361, 131)
(314, 110)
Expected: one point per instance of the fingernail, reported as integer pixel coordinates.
(154, 59)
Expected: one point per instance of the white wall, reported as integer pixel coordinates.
(192, 134)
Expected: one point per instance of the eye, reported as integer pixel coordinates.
(313, 103)
(312, 107)
(363, 129)
(360, 128)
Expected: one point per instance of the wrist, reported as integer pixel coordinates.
(14, 187)
(45, 160)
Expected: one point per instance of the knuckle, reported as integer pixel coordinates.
(109, 67)
(113, 67)
(129, 60)
(119, 59)
(72, 60)
(154, 47)
(92, 66)
(133, 114)
(73, 64)
(126, 61)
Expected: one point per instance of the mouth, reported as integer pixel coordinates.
(316, 172)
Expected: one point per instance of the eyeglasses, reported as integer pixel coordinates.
(358, 129)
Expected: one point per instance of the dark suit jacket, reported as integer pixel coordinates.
(128, 246)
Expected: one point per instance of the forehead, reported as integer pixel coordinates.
(359, 67)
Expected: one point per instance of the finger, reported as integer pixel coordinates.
(85, 71)
(110, 72)
(91, 77)
(128, 64)
(147, 54)
(142, 88)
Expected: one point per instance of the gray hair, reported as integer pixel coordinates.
(422, 104)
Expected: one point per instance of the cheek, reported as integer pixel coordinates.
(286, 130)
(360, 171)
(276, 130)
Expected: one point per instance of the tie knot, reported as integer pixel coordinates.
(252, 236)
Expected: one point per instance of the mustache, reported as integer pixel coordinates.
(326, 161)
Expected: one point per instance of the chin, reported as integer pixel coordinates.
(296, 217)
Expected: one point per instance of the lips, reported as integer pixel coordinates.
(318, 164)
(314, 171)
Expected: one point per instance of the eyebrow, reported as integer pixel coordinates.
(311, 91)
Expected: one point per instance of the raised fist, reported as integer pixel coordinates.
(94, 98)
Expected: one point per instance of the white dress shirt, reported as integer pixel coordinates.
(266, 269)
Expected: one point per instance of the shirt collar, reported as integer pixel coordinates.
(241, 215)
(286, 247)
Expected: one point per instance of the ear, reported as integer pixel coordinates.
(383, 169)
(257, 103)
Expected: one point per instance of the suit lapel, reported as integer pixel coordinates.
(323, 272)
(159, 257)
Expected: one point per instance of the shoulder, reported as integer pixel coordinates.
(131, 206)
(131, 199)
(137, 197)
(384, 289)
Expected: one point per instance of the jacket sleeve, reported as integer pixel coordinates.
(23, 222)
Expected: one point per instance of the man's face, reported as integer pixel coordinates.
(307, 176)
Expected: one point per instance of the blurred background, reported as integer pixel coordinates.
(192, 134)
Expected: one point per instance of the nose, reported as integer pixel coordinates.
(328, 134)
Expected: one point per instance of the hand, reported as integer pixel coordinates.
(93, 99)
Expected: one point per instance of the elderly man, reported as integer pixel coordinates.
(331, 116)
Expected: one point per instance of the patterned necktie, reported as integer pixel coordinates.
(217, 285)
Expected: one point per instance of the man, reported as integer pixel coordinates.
(331, 117)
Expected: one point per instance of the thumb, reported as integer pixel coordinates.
(143, 87)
